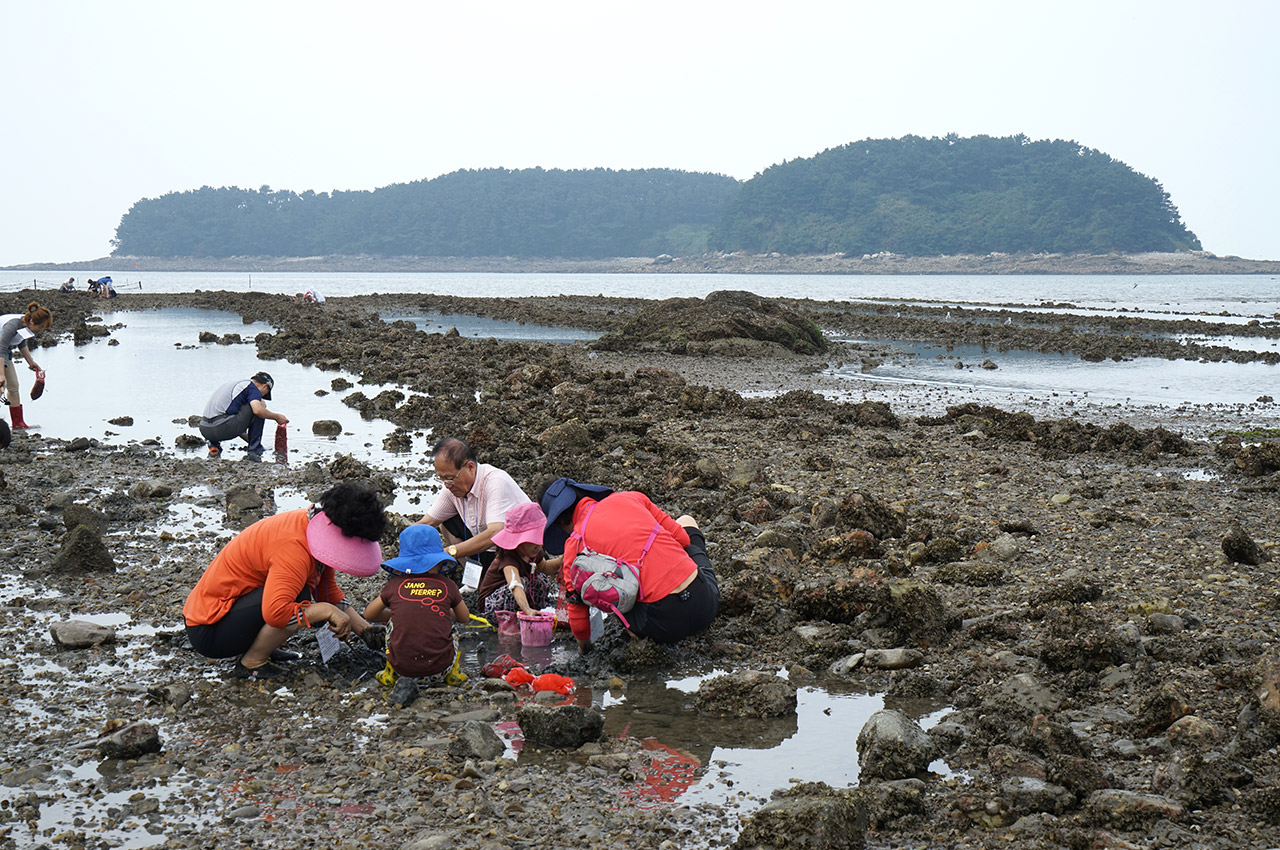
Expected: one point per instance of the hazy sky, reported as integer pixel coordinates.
(108, 103)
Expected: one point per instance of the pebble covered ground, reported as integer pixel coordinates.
(1094, 599)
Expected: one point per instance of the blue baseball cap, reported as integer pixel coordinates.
(421, 551)
(560, 496)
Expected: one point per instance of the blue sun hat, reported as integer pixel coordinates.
(560, 496)
(421, 551)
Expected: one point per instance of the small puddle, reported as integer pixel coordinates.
(722, 760)
(126, 818)
(193, 510)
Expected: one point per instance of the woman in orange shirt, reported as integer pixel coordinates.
(278, 575)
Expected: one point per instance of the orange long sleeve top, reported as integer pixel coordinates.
(271, 554)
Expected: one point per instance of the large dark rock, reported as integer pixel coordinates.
(1076, 639)
(150, 488)
(1024, 795)
(913, 612)
(1023, 695)
(326, 427)
(857, 511)
(725, 322)
(129, 741)
(1240, 548)
(1159, 710)
(246, 504)
(893, 746)
(561, 726)
(81, 514)
(746, 693)
(1261, 459)
(82, 552)
(885, 802)
(1081, 776)
(1196, 781)
(812, 815)
(1058, 437)
(1049, 738)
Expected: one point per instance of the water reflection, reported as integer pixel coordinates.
(1143, 380)
(691, 758)
(1204, 295)
(481, 327)
(1237, 343)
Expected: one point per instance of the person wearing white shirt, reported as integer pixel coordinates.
(473, 505)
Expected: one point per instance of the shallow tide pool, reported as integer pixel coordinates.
(1029, 374)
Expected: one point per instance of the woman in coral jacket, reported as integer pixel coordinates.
(277, 576)
(679, 593)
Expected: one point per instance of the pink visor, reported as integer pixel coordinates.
(353, 555)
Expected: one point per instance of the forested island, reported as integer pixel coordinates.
(912, 196)
(926, 197)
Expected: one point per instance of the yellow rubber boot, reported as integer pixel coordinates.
(387, 676)
(455, 676)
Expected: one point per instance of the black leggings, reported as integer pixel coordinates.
(678, 615)
(237, 630)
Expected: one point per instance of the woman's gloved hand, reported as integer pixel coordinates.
(375, 637)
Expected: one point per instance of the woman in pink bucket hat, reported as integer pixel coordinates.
(519, 579)
(277, 576)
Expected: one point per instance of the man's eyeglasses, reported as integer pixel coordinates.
(449, 479)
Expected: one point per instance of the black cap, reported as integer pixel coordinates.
(264, 378)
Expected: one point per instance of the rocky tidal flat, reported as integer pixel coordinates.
(1091, 594)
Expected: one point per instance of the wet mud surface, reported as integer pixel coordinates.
(1093, 598)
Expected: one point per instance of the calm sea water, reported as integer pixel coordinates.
(1237, 295)
(91, 384)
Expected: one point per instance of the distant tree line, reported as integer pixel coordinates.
(911, 196)
(486, 213)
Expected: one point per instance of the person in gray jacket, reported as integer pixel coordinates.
(238, 409)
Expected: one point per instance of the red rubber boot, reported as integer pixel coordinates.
(15, 413)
